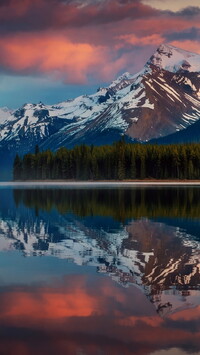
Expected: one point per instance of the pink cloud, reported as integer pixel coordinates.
(192, 46)
(72, 43)
(163, 25)
(187, 314)
(92, 316)
(54, 54)
(153, 39)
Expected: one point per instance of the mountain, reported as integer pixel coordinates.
(162, 99)
(162, 260)
(187, 135)
(5, 114)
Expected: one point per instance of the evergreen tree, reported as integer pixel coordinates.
(17, 168)
(37, 150)
(117, 161)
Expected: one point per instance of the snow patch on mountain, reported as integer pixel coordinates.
(164, 97)
(159, 276)
(5, 114)
(175, 59)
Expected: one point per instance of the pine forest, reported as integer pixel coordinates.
(119, 161)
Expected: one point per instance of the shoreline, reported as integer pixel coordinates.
(100, 183)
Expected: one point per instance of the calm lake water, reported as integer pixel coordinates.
(100, 271)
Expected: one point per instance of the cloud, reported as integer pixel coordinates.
(163, 25)
(82, 41)
(187, 314)
(171, 5)
(28, 15)
(191, 46)
(76, 55)
(94, 315)
(57, 56)
(190, 34)
(189, 11)
(154, 39)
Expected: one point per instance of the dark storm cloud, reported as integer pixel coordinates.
(27, 15)
(191, 34)
(189, 11)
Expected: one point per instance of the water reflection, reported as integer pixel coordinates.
(87, 315)
(136, 286)
(121, 204)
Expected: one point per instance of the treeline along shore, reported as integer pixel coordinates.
(120, 204)
(119, 161)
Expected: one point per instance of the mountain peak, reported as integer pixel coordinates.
(5, 113)
(124, 77)
(175, 59)
(160, 100)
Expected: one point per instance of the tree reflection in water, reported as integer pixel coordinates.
(146, 240)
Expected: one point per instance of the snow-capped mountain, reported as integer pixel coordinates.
(141, 253)
(158, 101)
(5, 114)
(174, 59)
(158, 252)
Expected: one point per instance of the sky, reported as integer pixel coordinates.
(53, 50)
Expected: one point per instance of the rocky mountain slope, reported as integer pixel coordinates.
(155, 248)
(164, 98)
(140, 253)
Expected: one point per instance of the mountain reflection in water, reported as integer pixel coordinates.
(146, 240)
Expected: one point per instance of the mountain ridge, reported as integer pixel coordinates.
(161, 100)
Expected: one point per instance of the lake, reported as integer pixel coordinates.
(105, 270)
